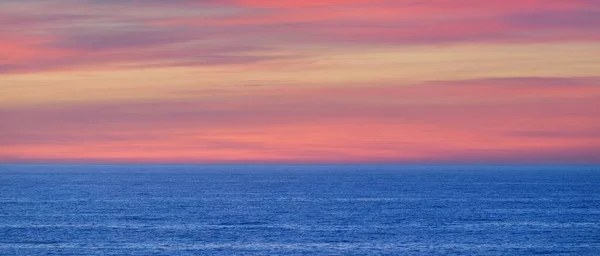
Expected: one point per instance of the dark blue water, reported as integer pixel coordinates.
(298, 210)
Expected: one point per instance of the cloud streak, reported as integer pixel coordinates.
(425, 119)
(91, 33)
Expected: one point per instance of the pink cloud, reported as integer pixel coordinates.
(472, 120)
(88, 34)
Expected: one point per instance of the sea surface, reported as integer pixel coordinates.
(299, 210)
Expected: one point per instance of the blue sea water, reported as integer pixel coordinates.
(299, 210)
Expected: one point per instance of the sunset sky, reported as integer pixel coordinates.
(299, 81)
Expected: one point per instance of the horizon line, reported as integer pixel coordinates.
(301, 164)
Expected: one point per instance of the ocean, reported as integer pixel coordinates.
(299, 210)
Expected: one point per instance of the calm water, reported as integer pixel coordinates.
(298, 210)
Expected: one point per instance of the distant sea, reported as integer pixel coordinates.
(299, 210)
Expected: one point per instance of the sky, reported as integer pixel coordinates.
(299, 81)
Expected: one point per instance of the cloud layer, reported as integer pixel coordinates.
(300, 81)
